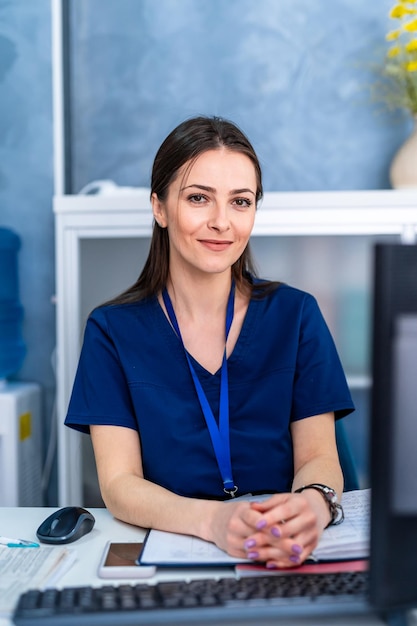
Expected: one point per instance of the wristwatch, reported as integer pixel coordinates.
(336, 510)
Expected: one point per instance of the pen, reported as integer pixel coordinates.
(17, 543)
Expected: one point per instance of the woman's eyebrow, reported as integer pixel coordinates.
(213, 190)
(243, 190)
(202, 187)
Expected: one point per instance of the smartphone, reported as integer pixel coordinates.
(121, 560)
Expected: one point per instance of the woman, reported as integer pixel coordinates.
(201, 382)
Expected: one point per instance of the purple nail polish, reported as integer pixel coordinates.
(296, 549)
(261, 524)
(271, 566)
(250, 543)
(275, 531)
(294, 558)
(253, 555)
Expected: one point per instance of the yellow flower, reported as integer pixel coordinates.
(394, 52)
(411, 26)
(393, 35)
(399, 10)
(399, 85)
(411, 66)
(411, 46)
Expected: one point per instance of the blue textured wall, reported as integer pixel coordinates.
(26, 176)
(294, 74)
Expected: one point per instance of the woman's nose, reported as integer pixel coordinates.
(219, 218)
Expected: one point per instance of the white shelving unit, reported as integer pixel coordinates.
(87, 226)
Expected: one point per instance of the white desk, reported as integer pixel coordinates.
(23, 522)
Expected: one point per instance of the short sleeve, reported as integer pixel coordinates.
(100, 392)
(320, 384)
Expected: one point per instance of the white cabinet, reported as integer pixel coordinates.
(318, 241)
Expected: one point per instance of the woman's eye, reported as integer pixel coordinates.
(242, 202)
(198, 198)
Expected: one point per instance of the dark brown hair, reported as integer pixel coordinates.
(184, 145)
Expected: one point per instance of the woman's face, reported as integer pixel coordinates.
(209, 211)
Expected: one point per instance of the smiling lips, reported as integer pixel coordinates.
(215, 244)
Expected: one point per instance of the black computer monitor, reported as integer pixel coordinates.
(393, 437)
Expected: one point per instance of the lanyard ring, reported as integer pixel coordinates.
(231, 492)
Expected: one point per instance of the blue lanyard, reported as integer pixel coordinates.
(219, 433)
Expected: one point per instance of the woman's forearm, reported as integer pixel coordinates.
(133, 499)
(325, 470)
(137, 501)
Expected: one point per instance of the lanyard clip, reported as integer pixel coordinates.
(231, 492)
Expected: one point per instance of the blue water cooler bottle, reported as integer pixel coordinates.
(12, 347)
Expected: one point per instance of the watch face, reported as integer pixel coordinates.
(328, 492)
(331, 494)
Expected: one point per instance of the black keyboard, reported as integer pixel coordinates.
(248, 600)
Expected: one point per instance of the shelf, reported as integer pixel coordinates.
(380, 212)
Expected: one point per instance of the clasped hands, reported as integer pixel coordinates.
(281, 531)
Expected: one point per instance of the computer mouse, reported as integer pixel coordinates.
(66, 525)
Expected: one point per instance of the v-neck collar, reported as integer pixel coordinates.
(241, 346)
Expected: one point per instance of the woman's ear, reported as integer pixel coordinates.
(158, 211)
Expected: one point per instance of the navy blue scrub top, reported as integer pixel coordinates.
(133, 372)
